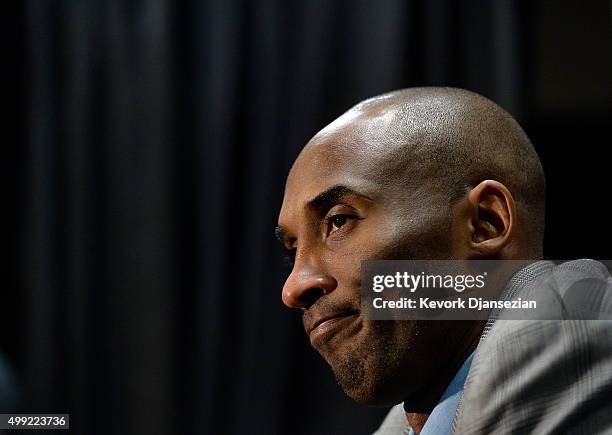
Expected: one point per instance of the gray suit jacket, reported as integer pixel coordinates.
(537, 376)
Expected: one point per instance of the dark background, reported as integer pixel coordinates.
(143, 162)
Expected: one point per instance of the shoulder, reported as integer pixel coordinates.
(541, 376)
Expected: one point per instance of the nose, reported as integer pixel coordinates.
(303, 288)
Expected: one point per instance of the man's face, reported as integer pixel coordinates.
(347, 199)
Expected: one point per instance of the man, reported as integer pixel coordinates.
(422, 173)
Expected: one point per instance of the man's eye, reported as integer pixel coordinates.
(337, 221)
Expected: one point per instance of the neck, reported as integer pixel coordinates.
(431, 395)
(416, 420)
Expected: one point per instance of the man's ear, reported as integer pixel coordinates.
(491, 217)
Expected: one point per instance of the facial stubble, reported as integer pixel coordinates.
(367, 364)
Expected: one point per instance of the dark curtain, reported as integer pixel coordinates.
(157, 136)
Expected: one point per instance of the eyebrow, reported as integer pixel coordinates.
(322, 200)
(333, 194)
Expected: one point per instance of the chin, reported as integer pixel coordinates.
(368, 380)
(369, 398)
(375, 365)
(370, 392)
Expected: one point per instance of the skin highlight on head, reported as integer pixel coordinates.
(421, 173)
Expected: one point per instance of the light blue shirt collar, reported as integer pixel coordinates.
(440, 420)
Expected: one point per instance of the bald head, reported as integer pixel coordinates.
(447, 140)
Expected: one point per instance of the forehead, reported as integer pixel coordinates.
(319, 168)
(374, 149)
(348, 152)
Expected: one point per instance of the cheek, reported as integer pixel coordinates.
(345, 266)
(422, 233)
(387, 241)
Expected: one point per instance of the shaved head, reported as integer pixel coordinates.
(421, 173)
(450, 139)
